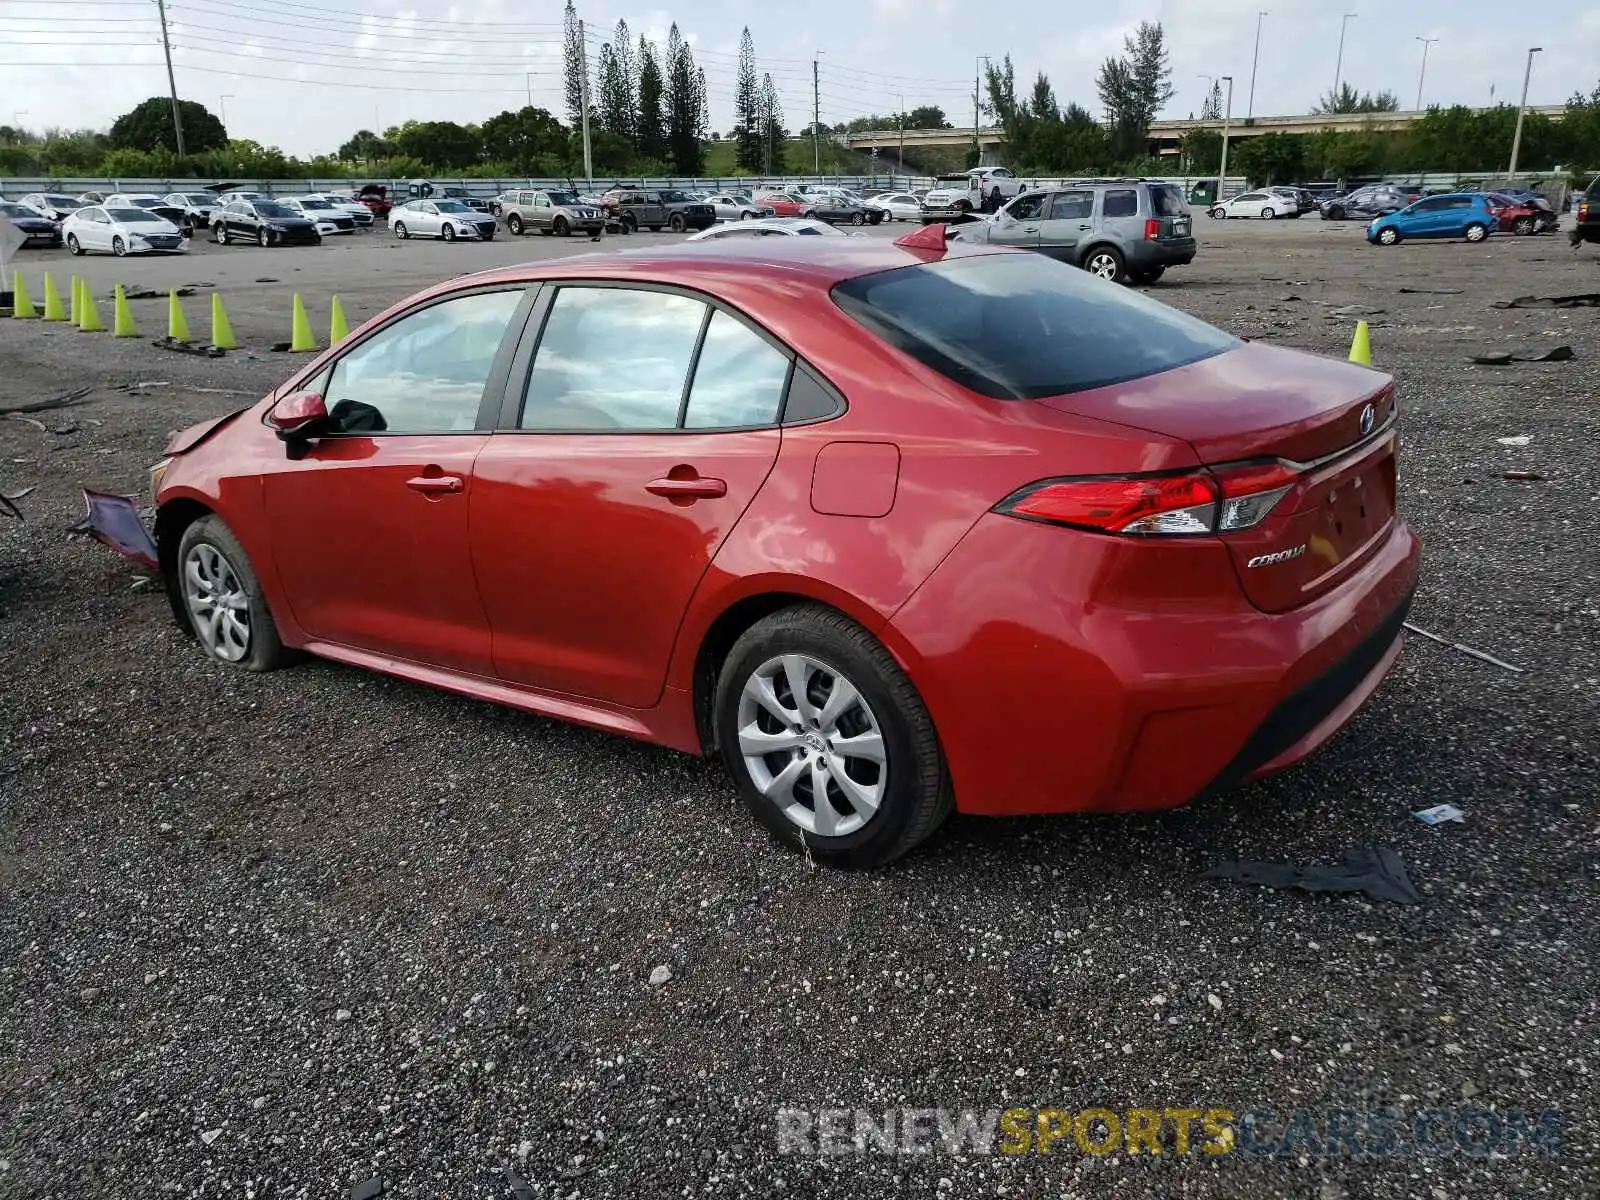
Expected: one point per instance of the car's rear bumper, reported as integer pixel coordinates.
(1163, 252)
(1072, 672)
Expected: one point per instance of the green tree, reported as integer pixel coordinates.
(1134, 87)
(747, 107)
(619, 104)
(574, 65)
(1211, 110)
(1271, 158)
(651, 139)
(530, 140)
(150, 125)
(365, 146)
(774, 141)
(927, 116)
(1347, 100)
(443, 145)
(685, 107)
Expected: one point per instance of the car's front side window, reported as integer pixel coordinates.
(426, 372)
(612, 359)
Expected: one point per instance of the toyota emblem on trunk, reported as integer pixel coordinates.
(1368, 418)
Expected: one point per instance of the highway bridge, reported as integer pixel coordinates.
(1164, 135)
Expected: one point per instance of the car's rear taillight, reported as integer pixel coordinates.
(1216, 500)
(1152, 229)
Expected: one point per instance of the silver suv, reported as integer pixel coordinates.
(1127, 230)
(560, 213)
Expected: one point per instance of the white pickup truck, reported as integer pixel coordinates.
(982, 189)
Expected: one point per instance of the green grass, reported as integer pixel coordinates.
(798, 159)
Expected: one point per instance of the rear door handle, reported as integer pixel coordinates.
(698, 488)
(436, 484)
(1030, 229)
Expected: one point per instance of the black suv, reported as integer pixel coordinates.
(648, 209)
(1588, 213)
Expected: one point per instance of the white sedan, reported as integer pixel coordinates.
(329, 219)
(897, 206)
(121, 231)
(447, 219)
(353, 208)
(732, 208)
(1267, 205)
(768, 227)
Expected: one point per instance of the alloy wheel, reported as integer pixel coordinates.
(1476, 233)
(217, 603)
(812, 745)
(119, 247)
(1103, 266)
(263, 236)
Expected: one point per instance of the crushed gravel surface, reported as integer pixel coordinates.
(297, 934)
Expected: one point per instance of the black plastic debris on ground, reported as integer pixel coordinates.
(1581, 300)
(367, 1189)
(1376, 871)
(169, 343)
(519, 1187)
(1504, 358)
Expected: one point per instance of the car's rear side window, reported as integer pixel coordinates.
(1120, 202)
(1022, 326)
(1166, 201)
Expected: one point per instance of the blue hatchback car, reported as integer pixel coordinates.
(1458, 215)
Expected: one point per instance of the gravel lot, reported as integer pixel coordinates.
(275, 936)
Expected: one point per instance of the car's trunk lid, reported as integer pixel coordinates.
(1330, 419)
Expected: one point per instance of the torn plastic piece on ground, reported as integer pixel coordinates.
(115, 521)
(1580, 300)
(1440, 813)
(1501, 358)
(1377, 872)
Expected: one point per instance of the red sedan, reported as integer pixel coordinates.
(892, 529)
(783, 204)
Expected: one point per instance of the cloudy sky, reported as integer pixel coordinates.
(304, 75)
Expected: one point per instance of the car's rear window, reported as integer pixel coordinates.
(1166, 201)
(1021, 326)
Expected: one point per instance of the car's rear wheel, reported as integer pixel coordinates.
(996, 200)
(1476, 232)
(1104, 262)
(828, 740)
(1388, 236)
(514, 225)
(400, 230)
(1522, 225)
(223, 598)
(72, 244)
(119, 247)
(264, 236)
(1268, 213)
(746, 215)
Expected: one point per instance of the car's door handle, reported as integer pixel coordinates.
(698, 488)
(1085, 226)
(437, 484)
(1030, 229)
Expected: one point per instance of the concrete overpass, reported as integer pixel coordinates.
(1164, 135)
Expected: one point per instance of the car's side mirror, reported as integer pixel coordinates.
(298, 418)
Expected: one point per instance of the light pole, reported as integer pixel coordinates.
(902, 168)
(1338, 63)
(1423, 74)
(529, 81)
(816, 111)
(225, 100)
(1522, 108)
(1250, 107)
(1227, 114)
(1210, 82)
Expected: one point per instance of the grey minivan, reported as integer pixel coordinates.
(1126, 230)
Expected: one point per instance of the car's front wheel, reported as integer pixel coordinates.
(828, 740)
(223, 598)
(1219, 213)
(119, 247)
(1523, 225)
(859, 218)
(73, 246)
(263, 236)
(1388, 236)
(449, 232)
(219, 234)
(400, 230)
(514, 225)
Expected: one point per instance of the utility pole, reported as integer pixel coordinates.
(172, 80)
(977, 150)
(1423, 74)
(816, 113)
(768, 138)
(902, 167)
(1250, 108)
(1338, 63)
(1522, 108)
(588, 162)
(225, 100)
(1227, 115)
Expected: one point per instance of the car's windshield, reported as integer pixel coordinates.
(132, 216)
(145, 201)
(265, 209)
(564, 198)
(674, 197)
(450, 206)
(319, 204)
(63, 202)
(200, 199)
(17, 210)
(1022, 326)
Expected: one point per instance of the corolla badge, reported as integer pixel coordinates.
(1369, 418)
(1267, 560)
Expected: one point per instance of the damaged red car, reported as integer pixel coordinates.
(894, 529)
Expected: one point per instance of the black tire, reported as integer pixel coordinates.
(219, 234)
(964, 206)
(1476, 232)
(917, 795)
(859, 218)
(675, 223)
(1148, 275)
(1522, 225)
(1388, 236)
(263, 236)
(266, 651)
(878, 216)
(119, 247)
(514, 225)
(72, 245)
(1269, 213)
(1107, 263)
(400, 230)
(629, 223)
(746, 215)
(1218, 213)
(1336, 213)
(996, 200)
(448, 233)
(560, 227)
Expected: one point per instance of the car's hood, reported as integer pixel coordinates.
(33, 222)
(148, 228)
(187, 439)
(288, 222)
